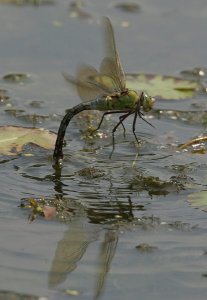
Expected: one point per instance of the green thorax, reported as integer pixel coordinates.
(125, 100)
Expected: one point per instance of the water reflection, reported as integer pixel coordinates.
(83, 230)
(69, 251)
(106, 210)
(73, 246)
(106, 254)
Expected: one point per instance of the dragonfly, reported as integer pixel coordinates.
(104, 90)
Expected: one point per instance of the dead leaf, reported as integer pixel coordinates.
(14, 138)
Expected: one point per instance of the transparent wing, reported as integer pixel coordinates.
(90, 83)
(88, 89)
(108, 71)
(111, 65)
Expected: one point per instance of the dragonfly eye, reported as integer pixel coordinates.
(147, 102)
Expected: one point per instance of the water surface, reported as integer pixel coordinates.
(94, 252)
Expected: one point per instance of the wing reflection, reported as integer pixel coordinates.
(69, 251)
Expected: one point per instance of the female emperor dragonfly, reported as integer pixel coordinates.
(104, 91)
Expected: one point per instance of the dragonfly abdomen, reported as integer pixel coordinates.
(58, 152)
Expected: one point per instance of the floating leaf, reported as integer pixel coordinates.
(38, 208)
(91, 173)
(77, 10)
(128, 7)
(154, 185)
(50, 208)
(144, 247)
(3, 96)
(72, 292)
(10, 295)
(13, 139)
(198, 200)
(22, 114)
(163, 87)
(197, 145)
(195, 73)
(18, 78)
(196, 117)
(27, 2)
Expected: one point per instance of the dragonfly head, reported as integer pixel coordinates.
(147, 102)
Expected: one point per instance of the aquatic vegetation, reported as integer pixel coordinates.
(14, 138)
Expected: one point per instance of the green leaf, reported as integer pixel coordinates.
(198, 200)
(18, 78)
(27, 2)
(10, 295)
(163, 87)
(13, 139)
(154, 185)
(128, 7)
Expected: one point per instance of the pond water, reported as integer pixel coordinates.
(128, 230)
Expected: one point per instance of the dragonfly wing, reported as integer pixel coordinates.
(90, 83)
(87, 89)
(111, 52)
(91, 90)
(108, 68)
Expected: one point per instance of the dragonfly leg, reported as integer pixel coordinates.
(137, 112)
(133, 126)
(102, 118)
(141, 117)
(121, 119)
(104, 114)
